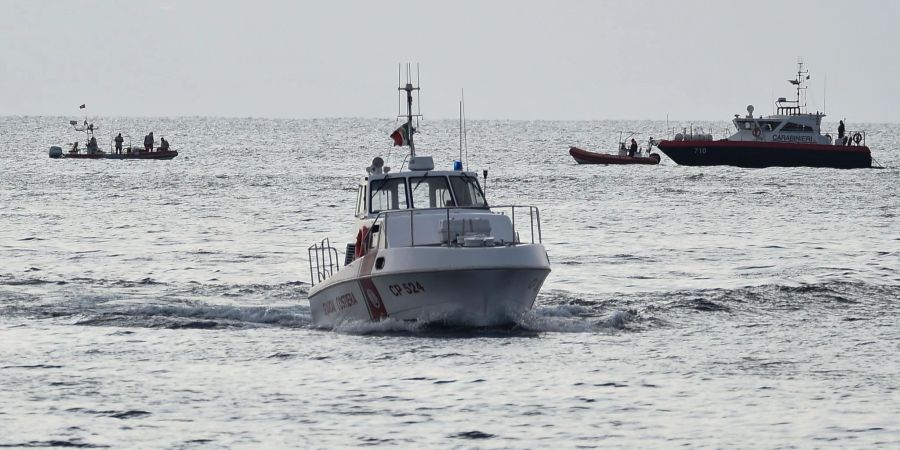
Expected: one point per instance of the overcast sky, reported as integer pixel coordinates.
(638, 59)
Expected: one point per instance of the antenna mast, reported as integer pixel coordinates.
(409, 88)
(799, 83)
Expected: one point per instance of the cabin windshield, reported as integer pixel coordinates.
(430, 192)
(387, 194)
(467, 192)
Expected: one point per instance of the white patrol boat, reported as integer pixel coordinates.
(429, 248)
(789, 138)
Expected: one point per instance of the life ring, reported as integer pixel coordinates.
(756, 132)
(857, 138)
(362, 237)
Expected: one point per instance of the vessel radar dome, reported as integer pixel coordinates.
(749, 109)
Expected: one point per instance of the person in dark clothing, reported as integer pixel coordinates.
(119, 139)
(163, 145)
(92, 147)
(841, 130)
(148, 142)
(633, 149)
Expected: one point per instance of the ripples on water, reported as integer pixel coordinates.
(163, 304)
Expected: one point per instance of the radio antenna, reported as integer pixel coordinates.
(465, 130)
(460, 132)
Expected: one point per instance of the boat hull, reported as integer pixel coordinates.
(142, 155)
(765, 154)
(586, 157)
(462, 286)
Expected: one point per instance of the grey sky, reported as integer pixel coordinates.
(515, 59)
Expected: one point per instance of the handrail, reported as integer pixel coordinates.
(533, 213)
(743, 134)
(324, 258)
(851, 140)
(326, 261)
(534, 218)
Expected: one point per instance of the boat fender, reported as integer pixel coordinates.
(856, 138)
(361, 238)
(756, 132)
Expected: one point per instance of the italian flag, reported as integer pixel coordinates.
(401, 135)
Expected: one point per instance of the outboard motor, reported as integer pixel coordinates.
(56, 152)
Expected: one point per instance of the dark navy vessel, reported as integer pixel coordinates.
(789, 138)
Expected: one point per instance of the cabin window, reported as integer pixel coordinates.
(467, 192)
(388, 194)
(791, 126)
(430, 192)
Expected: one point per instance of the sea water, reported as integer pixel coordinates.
(162, 304)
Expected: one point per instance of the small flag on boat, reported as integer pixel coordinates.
(82, 106)
(401, 135)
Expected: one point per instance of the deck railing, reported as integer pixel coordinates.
(323, 261)
(534, 224)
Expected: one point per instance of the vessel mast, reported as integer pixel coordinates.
(409, 88)
(798, 82)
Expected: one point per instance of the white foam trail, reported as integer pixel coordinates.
(262, 315)
(572, 319)
(387, 325)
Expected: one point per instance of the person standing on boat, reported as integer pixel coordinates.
(634, 147)
(92, 146)
(119, 140)
(841, 130)
(148, 142)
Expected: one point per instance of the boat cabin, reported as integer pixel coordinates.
(419, 190)
(789, 125)
(421, 187)
(422, 206)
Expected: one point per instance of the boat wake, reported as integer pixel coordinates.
(153, 304)
(201, 316)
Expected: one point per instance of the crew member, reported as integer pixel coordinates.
(92, 146)
(633, 148)
(163, 145)
(119, 139)
(148, 142)
(841, 130)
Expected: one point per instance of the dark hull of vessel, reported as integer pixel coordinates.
(766, 154)
(142, 155)
(586, 157)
